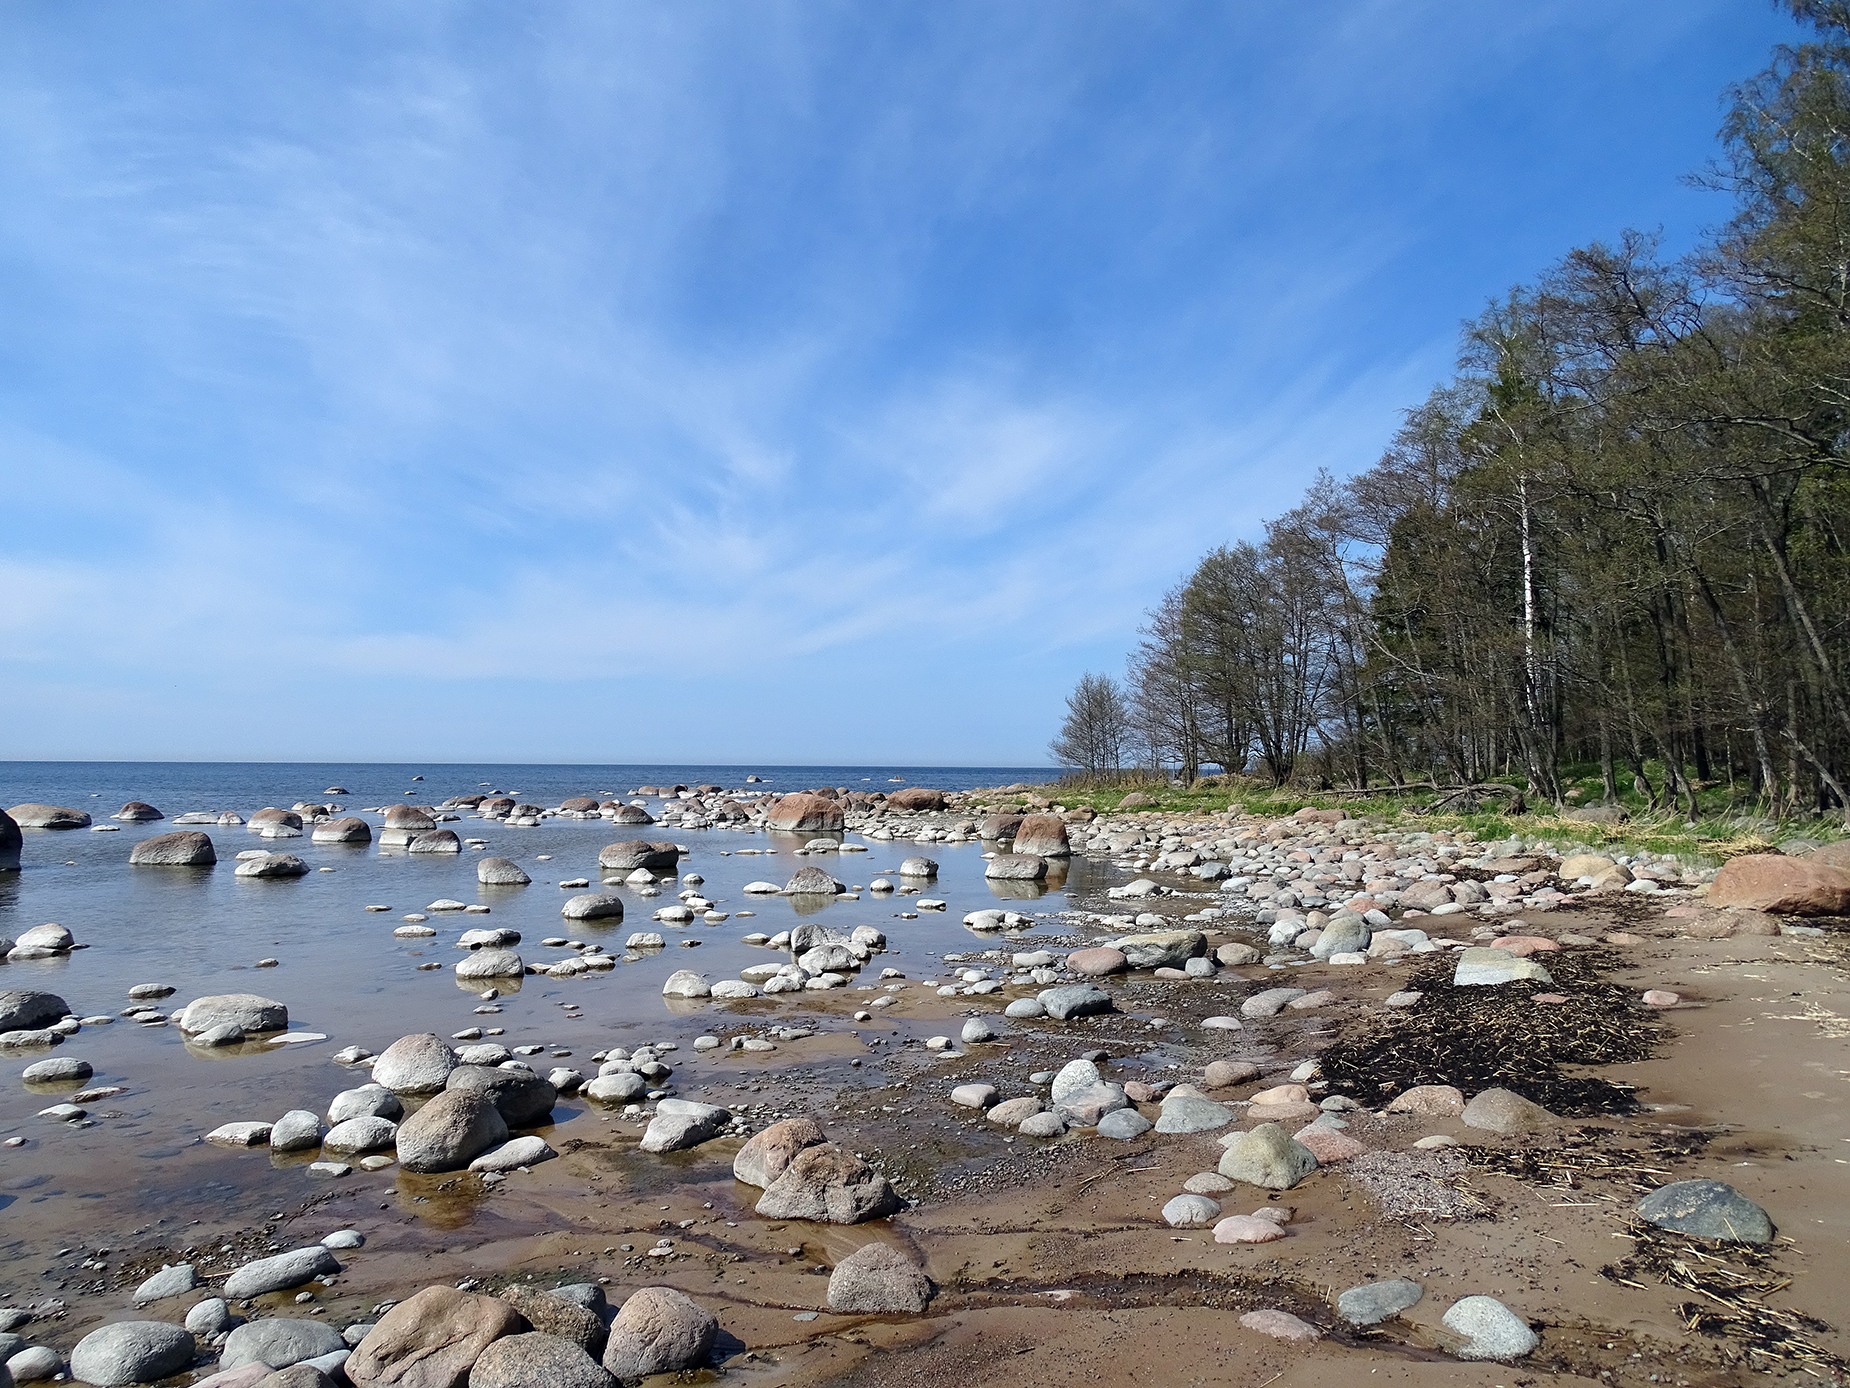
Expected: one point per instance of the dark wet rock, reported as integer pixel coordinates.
(552, 1314)
(813, 881)
(523, 1098)
(1709, 1210)
(629, 854)
(658, 1330)
(185, 848)
(999, 826)
(27, 1009)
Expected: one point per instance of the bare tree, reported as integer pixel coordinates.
(1097, 724)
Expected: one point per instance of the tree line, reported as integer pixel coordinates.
(1616, 536)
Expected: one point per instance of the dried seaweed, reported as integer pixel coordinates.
(1732, 1280)
(1483, 1037)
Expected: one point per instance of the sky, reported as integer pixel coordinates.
(742, 381)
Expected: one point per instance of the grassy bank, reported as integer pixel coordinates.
(1719, 833)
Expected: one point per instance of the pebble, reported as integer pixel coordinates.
(1280, 1325)
(1247, 1229)
(1660, 997)
(1373, 1302)
(1192, 1210)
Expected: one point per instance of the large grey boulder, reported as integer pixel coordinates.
(365, 1101)
(1074, 1077)
(1491, 1329)
(246, 1011)
(436, 841)
(1502, 1111)
(1268, 1157)
(918, 867)
(131, 1352)
(272, 865)
(491, 963)
(298, 1130)
(351, 829)
(352, 1136)
(593, 906)
(553, 1312)
(64, 1069)
(10, 842)
(501, 872)
(1373, 1302)
(629, 854)
(450, 1131)
(680, 1123)
(629, 814)
(138, 812)
(431, 1340)
(27, 1009)
(36, 816)
(1709, 1210)
(659, 1331)
(1186, 1113)
(1075, 1000)
(279, 1273)
(1166, 949)
(419, 1064)
(408, 817)
(537, 1358)
(523, 1098)
(828, 1184)
(279, 1342)
(878, 1279)
(813, 881)
(270, 816)
(1347, 933)
(184, 848)
(1016, 867)
(169, 1281)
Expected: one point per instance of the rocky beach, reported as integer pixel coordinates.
(868, 1083)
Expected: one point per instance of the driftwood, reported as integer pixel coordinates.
(1449, 796)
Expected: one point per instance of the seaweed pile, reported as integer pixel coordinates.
(1488, 1037)
(1732, 1280)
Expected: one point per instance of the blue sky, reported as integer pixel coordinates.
(620, 382)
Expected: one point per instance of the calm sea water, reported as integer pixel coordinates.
(343, 973)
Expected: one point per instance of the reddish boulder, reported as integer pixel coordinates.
(1096, 963)
(917, 798)
(1785, 886)
(805, 813)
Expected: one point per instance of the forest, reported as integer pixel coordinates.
(1615, 539)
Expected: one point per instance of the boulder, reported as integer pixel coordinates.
(1186, 1113)
(921, 798)
(1190, 1211)
(658, 1330)
(138, 812)
(1347, 933)
(1708, 1210)
(1166, 949)
(1374, 1302)
(184, 848)
(34, 816)
(1430, 1101)
(1501, 1111)
(353, 1136)
(629, 814)
(629, 854)
(272, 865)
(247, 1011)
(1016, 867)
(829, 1184)
(681, 1123)
(1268, 1157)
(418, 1064)
(918, 867)
(1075, 1000)
(1222, 1074)
(1808, 886)
(1043, 835)
(1098, 961)
(298, 1130)
(59, 1070)
(169, 1281)
(1491, 1329)
(131, 1352)
(878, 1279)
(407, 817)
(450, 1131)
(270, 815)
(11, 841)
(552, 1314)
(350, 829)
(280, 1272)
(366, 1101)
(538, 1360)
(500, 872)
(593, 906)
(279, 1342)
(768, 1154)
(804, 813)
(523, 1098)
(685, 983)
(1579, 865)
(431, 1340)
(999, 826)
(436, 841)
(812, 881)
(491, 963)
